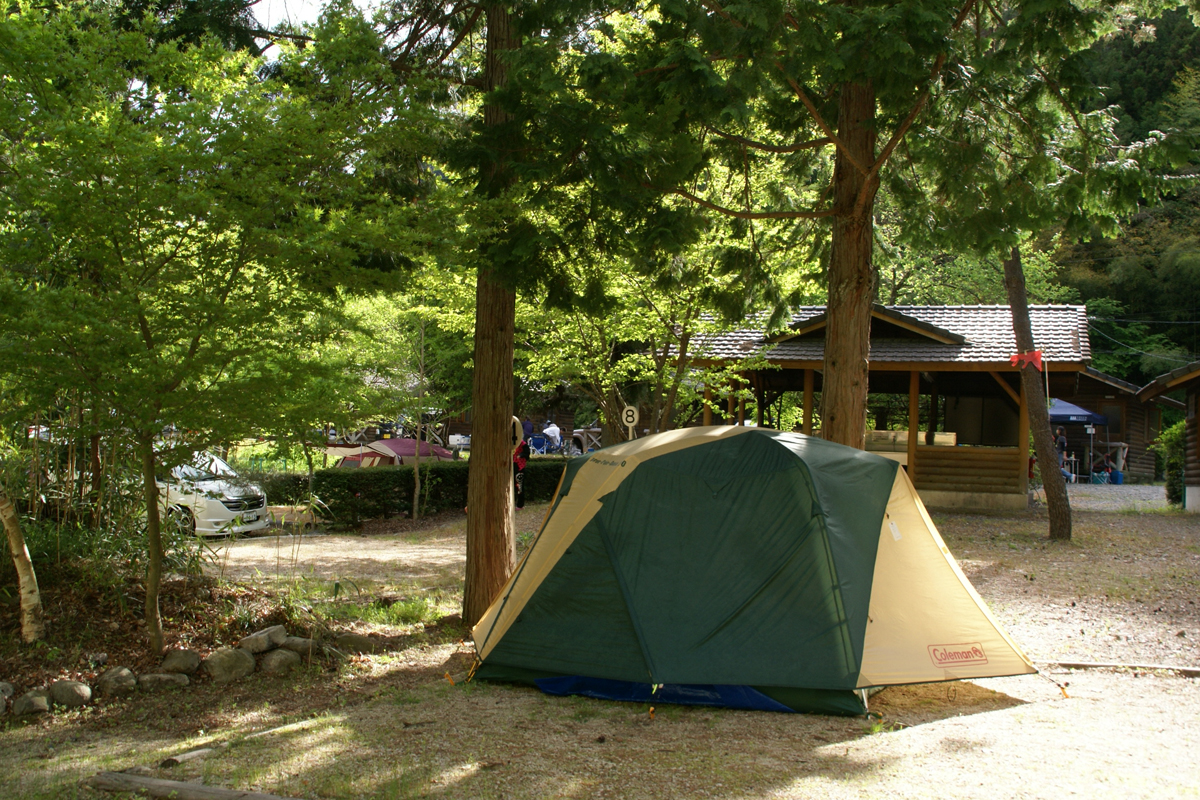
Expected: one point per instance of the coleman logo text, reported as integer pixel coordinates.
(957, 655)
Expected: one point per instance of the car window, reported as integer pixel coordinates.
(204, 467)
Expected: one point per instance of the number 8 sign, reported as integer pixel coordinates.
(629, 415)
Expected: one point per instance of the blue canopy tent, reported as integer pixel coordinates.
(1064, 413)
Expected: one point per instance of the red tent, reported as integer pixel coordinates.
(385, 452)
(407, 448)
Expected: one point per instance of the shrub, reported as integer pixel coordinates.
(281, 488)
(1170, 446)
(353, 495)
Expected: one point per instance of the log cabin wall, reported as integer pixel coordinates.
(987, 470)
(1134, 423)
(1191, 453)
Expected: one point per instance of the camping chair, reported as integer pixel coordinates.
(538, 444)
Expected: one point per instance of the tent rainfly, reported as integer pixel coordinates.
(739, 567)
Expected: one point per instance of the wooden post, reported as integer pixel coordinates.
(707, 406)
(741, 411)
(914, 421)
(760, 400)
(731, 405)
(930, 434)
(807, 420)
(1023, 440)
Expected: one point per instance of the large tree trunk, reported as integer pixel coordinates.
(851, 274)
(491, 543)
(32, 625)
(1057, 502)
(154, 548)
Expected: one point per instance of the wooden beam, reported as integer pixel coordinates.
(1023, 439)
(906, 366)
(707, 404)
(914, 420)
(1004, 385)
(156, 787)
(807, 420)
(760, 400)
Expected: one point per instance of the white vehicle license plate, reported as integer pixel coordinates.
(250, 516)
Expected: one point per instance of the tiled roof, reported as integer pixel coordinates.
(1166, 381)
(1060, 332)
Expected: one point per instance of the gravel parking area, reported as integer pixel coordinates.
(1126, 497)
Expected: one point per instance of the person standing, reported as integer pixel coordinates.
(527, 427)
(1060, 444)
(553, 433)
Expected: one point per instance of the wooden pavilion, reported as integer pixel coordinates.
(958, 357)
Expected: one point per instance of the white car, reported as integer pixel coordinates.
(208, 498)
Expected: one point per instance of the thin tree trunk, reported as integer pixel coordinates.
(308, 458)
(851, 275)
(154, 548)
(416, 509)
(94, 468)
(1057, 502)
(491, 543)
(681, 366)
(32, 624)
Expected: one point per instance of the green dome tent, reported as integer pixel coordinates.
(740, 567)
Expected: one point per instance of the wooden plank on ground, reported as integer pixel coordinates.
(157, 787)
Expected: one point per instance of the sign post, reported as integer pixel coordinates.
(629, 416)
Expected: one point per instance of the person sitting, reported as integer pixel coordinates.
(552, 432)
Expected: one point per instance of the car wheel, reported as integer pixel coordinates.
(183, 519)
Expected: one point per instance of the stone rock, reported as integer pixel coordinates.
(32, 703)
(229, 664)
(356, 643)
(158, 682)
(70, 694)
(305, 648)
(279, 662)
(6, 691)
(264, 640)
(117, 681)
(182, 662)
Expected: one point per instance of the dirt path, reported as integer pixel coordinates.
(394, 726)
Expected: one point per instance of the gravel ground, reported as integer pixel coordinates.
(393, 726)
(1126, 497)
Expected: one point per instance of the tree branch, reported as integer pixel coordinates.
(861, 201)
(821, 123)
(771, 148)
(743, 214)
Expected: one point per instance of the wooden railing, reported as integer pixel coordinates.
(970, 469)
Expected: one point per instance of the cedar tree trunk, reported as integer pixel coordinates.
(851, 275)
(154, 548)
(32, 626)
(1057, 502)
(491, 545)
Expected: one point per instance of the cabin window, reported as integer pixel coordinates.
(1116, 422)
